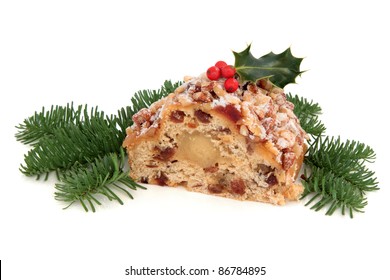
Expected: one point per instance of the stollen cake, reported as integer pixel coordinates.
(246, 145)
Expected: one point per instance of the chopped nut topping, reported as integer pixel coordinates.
(142, 116)
(202, 96)
(252, 88)
(288, 160)
(219, 90)
(244, 130)
(268, 124)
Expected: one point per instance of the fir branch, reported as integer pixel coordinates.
(303, 106)
(312, 125)
(73, 144)
(307, 112)
(170, 87)
(83, 147)
(44, 122)
(328, 190)
(123, 119)
(64, 136)
(145, 98)
(104, 176)
(344, 159)
(338, 177)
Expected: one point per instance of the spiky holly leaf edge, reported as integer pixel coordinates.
(281, 69)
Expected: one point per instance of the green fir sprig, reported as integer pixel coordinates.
(344, 159)
(44, 123)
(83, 147)
(104, 176)
(335, 172)
(326, 189)
(73, 144)
(307, 113)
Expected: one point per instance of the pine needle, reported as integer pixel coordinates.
(338, 176)
(145, 98)
(307, 113)
(345, 160)
(73, 144)
(43, 123)
(83, 148)
(104, 176)
(329, 190)
(303, 106)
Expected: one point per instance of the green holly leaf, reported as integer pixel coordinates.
(281, 69)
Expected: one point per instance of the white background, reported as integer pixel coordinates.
(100, 53)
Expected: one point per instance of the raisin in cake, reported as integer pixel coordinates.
(246, 145)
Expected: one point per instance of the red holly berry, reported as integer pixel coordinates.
(228, 71)
(213, 73)
(221, 64)
(231, 85)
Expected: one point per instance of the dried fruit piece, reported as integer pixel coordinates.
(238, 186)
(202, 116)
(271, 180)
(144, 180)
(164, 154)
(161, 179)
(211, 169)
(230, 112)
(215, 188)
(177, 116)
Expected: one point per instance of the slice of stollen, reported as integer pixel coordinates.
(246, 145)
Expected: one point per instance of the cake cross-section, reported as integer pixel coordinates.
(245, 145)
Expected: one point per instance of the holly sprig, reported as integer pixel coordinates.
(281, 69)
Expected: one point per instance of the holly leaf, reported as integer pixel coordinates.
(281, 69)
